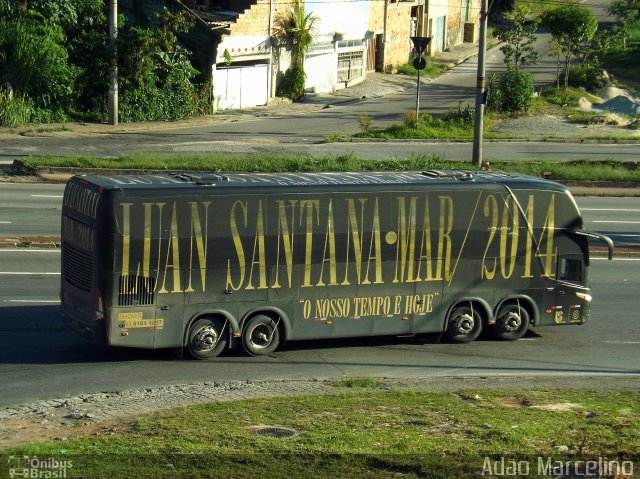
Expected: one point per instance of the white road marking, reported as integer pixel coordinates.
(623, 342)
(618, 222)
(10, 273)
(611, 209)
(614, 259)
(5, 222)
(46, 196)
(54, 301)
(29, 250)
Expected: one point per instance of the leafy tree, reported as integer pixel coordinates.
(88, 46)
(297, 32)
(557, 51)
(571, 26)
(518, 37)
(154, 72)
(60, 12)
(625, 11)
(34, 62)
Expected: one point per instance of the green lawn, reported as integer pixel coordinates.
(366, 433)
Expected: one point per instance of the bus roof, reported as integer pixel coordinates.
(188, 180)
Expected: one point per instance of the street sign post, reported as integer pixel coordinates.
(420, 44)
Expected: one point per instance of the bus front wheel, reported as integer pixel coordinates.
(464, 325)
(260, 336)
(512, 322)
(206, 338)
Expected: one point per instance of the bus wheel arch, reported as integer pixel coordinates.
(514, 317)
(207, 336)
(465, 321)
(262, 333)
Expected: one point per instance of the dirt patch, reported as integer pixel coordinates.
(559, 407)
(555, 126)
(30, 242)
(513, 402)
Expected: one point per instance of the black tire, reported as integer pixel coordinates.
(464, 324)
(512, 322)
(260, 336)
(206, 338)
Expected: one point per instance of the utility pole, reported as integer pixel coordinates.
(481, 95)
(113, 80)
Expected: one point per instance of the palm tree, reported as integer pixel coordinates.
(296, 30)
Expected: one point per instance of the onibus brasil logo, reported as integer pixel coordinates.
(35, 467)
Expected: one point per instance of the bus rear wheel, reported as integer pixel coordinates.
(206, 338)
(464, 324)
(512, 322)
(260, 336)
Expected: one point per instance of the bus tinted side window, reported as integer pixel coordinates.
(571, 270)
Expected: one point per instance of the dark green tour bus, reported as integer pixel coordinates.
(207, 261)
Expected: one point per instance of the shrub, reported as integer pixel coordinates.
(586, 76)
(409, 119)
(513, 92)
(460, 116)
(15, 111)
(365, 122)
(292, 85)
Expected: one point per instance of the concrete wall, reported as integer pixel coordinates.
(397, 42)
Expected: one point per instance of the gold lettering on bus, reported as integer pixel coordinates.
(375, 248)
(200, 236)
(405, 249)
(308, 221)
(354, 239)
(445, 246)
(509, 232)
(546, 249)
(362, 307)
(285, 243)
(490, 211)
(529, 243)
(126, 237)
(172, 255)
(237, 243)
(172, 241)
(258, 257)
(329, 251)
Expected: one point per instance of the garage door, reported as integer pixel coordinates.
(241, 87)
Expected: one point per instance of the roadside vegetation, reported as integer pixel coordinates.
(364, 433)
(587, 170)
(433, 68)
(55, 62)
(582, 52)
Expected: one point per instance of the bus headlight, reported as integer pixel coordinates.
(585, 296)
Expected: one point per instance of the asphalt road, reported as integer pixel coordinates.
(40, 359)
(305, 132)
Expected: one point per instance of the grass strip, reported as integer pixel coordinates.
(364, 433)
(578, 170)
